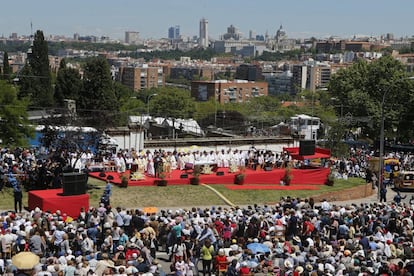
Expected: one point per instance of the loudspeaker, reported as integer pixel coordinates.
(267, 169)
(306, 147)
(219, 173)
(74, 183)
(184, 175)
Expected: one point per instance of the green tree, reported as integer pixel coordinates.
(98, 102)
(68, 84)
(172, 102)
(6, 67)
(361, 88)
(14, 123)
(129, 104)
(40, 86)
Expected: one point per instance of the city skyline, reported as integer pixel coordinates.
(299, 18)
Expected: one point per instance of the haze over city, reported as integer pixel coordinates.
(300, 19)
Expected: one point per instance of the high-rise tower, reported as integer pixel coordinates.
(203, 39)
(174, 32)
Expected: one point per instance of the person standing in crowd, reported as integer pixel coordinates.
(383, 193)
(18, 196)
(207, 252)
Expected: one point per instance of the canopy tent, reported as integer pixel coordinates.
(319, 153)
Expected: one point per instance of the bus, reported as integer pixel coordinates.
(391, 167)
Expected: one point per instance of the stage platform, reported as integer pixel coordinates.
(315, 176)
(53, 199)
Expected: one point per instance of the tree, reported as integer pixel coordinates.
(128, 103)
(14, 123)
(172, 102)
(6, 67)
(68, 84)
(98, 102)
(40, 88)
(361, 89)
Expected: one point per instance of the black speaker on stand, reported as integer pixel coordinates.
(306, 147)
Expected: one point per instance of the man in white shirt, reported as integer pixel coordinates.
(325, 205)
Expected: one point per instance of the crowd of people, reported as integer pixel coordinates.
(295, 236)
(292, 237)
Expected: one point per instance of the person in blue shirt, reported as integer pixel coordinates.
(18, 196)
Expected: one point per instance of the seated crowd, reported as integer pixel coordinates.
(293, 237)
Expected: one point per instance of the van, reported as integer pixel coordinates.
(404, 180)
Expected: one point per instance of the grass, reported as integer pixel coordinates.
(186, 195)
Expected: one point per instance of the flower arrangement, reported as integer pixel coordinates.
(233, 168)
(137, 176)
(207, 170)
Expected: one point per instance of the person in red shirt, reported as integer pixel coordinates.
(132, 248)
(244, 269)
(308, 227)
(220, 262)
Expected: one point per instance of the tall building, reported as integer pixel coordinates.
(174, 32)
(131, 37)
(232, 33)
(203, 39)
(143, 77)
(252, 35)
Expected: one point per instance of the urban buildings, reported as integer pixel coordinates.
(174, 32)
(141, 77)
(250, 72)
(203, 38)
(224, 91)
(132, 37)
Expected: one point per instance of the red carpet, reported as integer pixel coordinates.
(299, 177)
(272, 187)
(52, 200)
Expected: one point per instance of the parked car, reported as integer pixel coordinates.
(404, 180)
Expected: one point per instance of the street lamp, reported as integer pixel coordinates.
(381, 153)
(216, 99)
(148, 101)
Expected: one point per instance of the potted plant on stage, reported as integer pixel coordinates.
(240, 176)
(195, 179)
(287, 177)
(124, 180)
(330, 179)
(161, 181)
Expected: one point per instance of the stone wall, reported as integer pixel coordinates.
(360, 191)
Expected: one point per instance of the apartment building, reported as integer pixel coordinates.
(250, 72)
(225, 91)
(142, 77)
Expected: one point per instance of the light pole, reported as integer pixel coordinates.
(148, 101)
(381, 153)
(217, 98)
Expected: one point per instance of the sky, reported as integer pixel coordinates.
(152, 18)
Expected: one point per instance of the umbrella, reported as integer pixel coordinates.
(150, 210)
(257, 247)
(25, 260)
